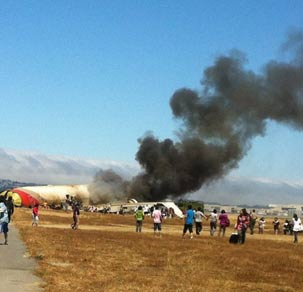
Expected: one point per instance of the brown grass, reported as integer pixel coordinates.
(105, 254)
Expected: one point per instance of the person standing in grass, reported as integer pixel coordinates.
(198, 220)
(157, 216)
(286, 227)
(242, 224)
(261, 225)
(297, 227)
(276, 224)
(189, 221)
(139, 215)
(3, 219)
(35, 215)
(252, 222)
(76, 215)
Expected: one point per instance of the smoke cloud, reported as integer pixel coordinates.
(106, 187)
(220, 121)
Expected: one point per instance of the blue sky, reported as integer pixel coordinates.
(86, 79)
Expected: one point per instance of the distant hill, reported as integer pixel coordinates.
(9, 184)
(252, 192)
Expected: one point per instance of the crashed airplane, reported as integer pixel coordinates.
(32, 195)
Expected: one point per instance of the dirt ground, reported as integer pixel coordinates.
(106, 254)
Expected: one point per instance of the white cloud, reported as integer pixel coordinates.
(34, 167)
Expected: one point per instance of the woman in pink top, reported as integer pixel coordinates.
(242, 224)
(157, 216)
(224, 222)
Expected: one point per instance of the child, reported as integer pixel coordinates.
(35, 215)
(261, 225)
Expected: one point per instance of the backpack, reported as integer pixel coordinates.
(234, 238)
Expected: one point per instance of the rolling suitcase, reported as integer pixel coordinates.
(234, 238)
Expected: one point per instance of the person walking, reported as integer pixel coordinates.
(198, 220)
(297, 227)
(213, 222)
(189, 220)
(10, 208)
(223, 223)
(3, 219)
(253, 220)
(242, 224)
(76, 215)
(157, 217)
(139, 215)
(35, 215)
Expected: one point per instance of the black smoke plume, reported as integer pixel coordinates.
(220, 121)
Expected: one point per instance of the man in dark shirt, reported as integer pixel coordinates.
(10, 207)
(76, 213)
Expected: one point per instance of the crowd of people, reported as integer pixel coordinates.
(192, 219)
(219, 222)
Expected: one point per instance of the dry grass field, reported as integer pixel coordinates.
(105, 254)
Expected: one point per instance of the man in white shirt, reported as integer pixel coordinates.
(198, 220)
(213, 221)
